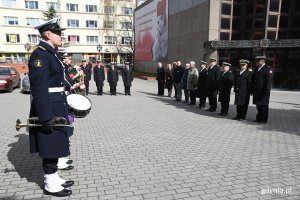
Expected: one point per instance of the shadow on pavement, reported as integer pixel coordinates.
(282, 120)
(27, 165)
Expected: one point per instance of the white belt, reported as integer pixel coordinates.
(56, 89)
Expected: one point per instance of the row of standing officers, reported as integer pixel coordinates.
(99, 76)
(210, 81)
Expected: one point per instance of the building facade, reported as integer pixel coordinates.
(107, 24)
(235, 29)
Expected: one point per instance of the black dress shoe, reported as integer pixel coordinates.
(224, 114)
(257, 121)
(68, 184)
(70, 167)
(220, 113)
(69, 162)
(235, 118)
(63, 193)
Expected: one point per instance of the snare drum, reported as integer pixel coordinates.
(78, 106)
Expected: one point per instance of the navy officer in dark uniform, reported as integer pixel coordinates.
(261, 88)
(46, 74)
(242, 90)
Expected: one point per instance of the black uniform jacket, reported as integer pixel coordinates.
(202, 83)
(160, 74)
(226, 83)
(99, 75)
(46, 71)
(169, 79)
(261, 85)
(113, 77)
(87, 70)
(127, 76)
(177, 74)
(242, 87)
(213, 78)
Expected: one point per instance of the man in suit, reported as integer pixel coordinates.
(99, 77)
(261, 89)
(161, 79)
(226, 83)
(242, 90)
(87, 70)
(178, 74)
(202, 84)
(192, 80)
(127, 77)
(214, 73)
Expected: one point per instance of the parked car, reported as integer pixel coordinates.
(25, 84)
(9, 78)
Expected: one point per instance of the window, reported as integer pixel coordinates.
(224, 36)
(12, 38)
(272, 21)
(226, 9)
(9, 3)
(73, 39)
(126, 25)
(271, 35)
(11, 20)
(90, 8)
(73, 23)
(285, 6)
(92, 39)
(126, 11)
(33, 21)
(33, 39)
(108, 24)
(72, 7)
(91, 24)
(51, 4)
(126, 40)
(259, 23)
(274, 5)
(110, 40)
(225, 23)
(31, 4)
(109, 9)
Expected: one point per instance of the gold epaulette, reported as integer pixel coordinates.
(42, 48)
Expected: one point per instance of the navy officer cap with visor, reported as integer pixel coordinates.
(51, 25)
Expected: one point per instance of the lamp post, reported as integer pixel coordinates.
(27, 47)
(99, 49)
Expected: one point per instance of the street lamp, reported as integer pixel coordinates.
(27, 47)
(99, 49)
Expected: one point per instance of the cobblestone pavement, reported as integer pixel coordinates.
(149, 147)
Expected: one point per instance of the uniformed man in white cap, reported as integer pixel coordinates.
(261, 88)
(47, 77)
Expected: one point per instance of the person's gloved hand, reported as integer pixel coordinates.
(47, 126)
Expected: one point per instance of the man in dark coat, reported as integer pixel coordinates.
(242, 89)
(112, 79)
(261, 88)
(127, 77)
(184, 83)
(161, 78)
(202, 84)
(99, 77)
(177, 76)
(214, 73)
(226, 83)
(46, 74)
(87, 70)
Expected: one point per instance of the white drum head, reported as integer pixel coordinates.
(78, 102)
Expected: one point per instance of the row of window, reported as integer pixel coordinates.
(71, 7)
(73, 23)
(74, 39)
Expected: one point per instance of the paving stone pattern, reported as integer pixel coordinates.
(149, 147)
